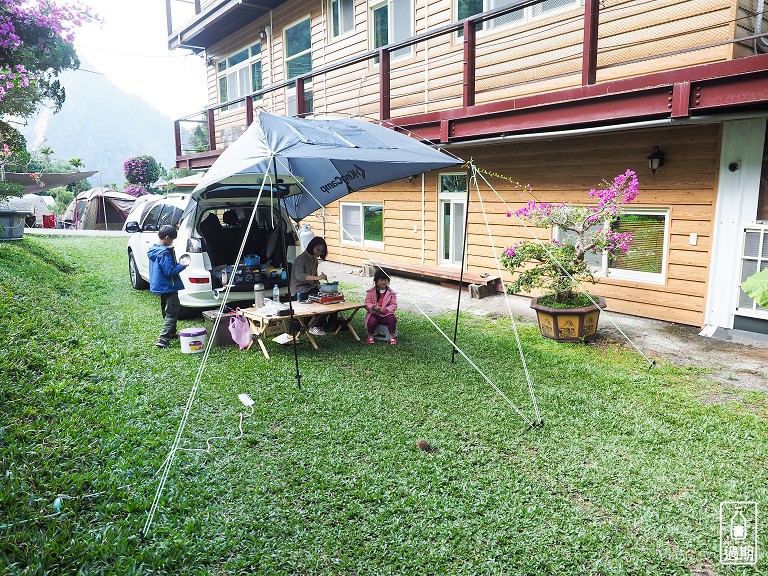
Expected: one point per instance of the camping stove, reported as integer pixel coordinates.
(326, 298)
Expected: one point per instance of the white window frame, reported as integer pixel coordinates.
(374, 5)
(345, 27)
(490, 26)
(360, 206)
(450, 198)
(235, 71)
(286, 58)
(760, 260)
(604, 271)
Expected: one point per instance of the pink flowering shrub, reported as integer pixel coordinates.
(135, 190)
(559, 267)
(141, 170)
(34, 25)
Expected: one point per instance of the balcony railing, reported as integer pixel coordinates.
(467, 63)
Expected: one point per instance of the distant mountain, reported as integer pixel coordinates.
(103, 126)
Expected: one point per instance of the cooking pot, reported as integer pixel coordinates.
(329, 287)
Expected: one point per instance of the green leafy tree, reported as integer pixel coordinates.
(75, 187)
(63, 197)
(198, 139)
(47, 152)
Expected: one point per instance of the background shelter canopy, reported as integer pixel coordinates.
(39, 182)
(98, 209)
(319, 161)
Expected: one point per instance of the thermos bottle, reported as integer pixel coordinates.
(258, 295)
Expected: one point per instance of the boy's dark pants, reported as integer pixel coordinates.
(169, 304)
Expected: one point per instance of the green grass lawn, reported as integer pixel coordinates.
(626, 476)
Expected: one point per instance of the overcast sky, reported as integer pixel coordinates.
(130, 48)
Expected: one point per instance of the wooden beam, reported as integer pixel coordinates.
(384, 85)
(589, 47)
(468, 93)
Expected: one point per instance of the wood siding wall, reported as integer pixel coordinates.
(540, 55)
(563, 170)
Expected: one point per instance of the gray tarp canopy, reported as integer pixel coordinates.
(330, 158)
(52, 180)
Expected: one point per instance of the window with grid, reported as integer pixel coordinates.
(391, 21)
(753, 260)
(466, 8)
(342, 16)
(239, 75)
(363, 223)
(298, 49)
(646, 258)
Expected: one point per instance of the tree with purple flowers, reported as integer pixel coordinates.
(36, 39)
(142, 171)
(559, 266)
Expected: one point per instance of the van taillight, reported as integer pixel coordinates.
(199, 280)
(194, 245)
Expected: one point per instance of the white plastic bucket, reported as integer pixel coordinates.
(193, 340)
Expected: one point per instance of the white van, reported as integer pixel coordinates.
(211, 234)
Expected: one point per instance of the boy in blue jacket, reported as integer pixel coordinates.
(164, 280)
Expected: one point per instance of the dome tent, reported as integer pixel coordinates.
(31, 203)
(98, 209)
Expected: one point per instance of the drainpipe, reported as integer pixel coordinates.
(269, 59)
(423, 239)
(426, 66)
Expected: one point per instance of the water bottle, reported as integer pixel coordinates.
(258, 295)
(276, 293)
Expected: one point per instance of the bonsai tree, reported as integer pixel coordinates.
(559, 267)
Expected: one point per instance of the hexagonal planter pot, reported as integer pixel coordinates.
(568, 324)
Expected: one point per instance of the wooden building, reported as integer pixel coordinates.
(558, 94)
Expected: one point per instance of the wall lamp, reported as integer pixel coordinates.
(656, 159)
(263, 34)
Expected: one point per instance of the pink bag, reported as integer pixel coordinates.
(240, 330)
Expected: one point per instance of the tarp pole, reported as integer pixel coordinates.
(284, 249)
(461, 277)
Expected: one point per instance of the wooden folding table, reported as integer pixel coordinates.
(307, 314)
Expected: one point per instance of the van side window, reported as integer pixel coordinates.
(151, 221)
(169, 215)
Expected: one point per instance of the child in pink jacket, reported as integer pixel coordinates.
(381, 303)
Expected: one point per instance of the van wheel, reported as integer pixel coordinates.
(136, 280)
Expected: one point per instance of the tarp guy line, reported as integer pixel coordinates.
(544, 246)
(450, 341)
(506, 296)
(193, 392)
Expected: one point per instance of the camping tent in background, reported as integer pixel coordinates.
(31, 203)
(98, 209)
